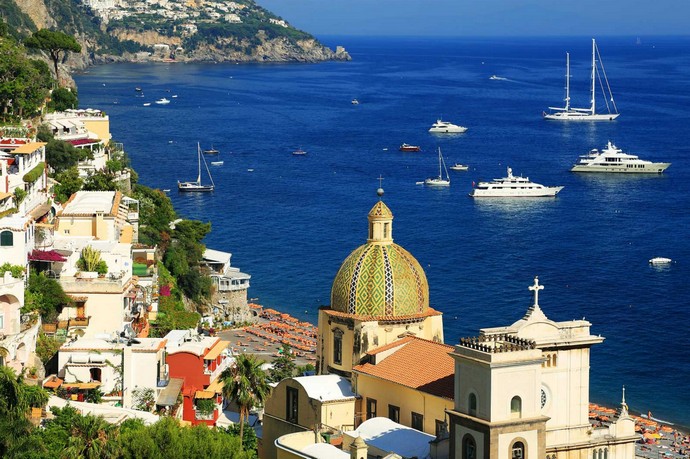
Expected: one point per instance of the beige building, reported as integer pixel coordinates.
(522, 391)
(322, 406)
(409, 382)
(104, 215)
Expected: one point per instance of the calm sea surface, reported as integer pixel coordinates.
(290, 221)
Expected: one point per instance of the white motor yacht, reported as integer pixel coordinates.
(513, 187)
(613, 159)
(163, 101)
(660, 261)
(444, 127)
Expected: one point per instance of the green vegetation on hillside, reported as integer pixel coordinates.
(24, 82)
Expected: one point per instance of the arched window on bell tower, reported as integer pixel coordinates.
(516, 407)
(472, 404)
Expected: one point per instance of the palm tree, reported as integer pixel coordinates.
(91, 437)
(13, 406)
(245, 384)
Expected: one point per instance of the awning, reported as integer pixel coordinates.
(5, 195)
(83, 386)
(204, 394)
(216, 350)
(28, 148)
(216, 387)
(40, 211)
(45, 255)
(168, 396)
(53, 383)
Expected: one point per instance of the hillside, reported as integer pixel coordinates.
(169, 30)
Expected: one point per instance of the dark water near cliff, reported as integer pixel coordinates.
(292, 221)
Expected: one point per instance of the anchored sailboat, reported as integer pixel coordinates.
(568, 113)
(197, 186)
(439, 181)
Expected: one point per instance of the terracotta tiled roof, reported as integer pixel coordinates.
(416, 363)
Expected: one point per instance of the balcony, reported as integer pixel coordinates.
(112, 283)
(213, 375)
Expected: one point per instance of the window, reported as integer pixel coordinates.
(441, 428)
(418, 421)
(338, 346)
(95, 374)
(386, 230)
(291, 408)
(516, 407)
(371, 408)
(6, 239)
(394, 413)
(518, 450)
(469, 447)
(472, 405)
(2, 321)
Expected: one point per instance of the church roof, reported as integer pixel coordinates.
(380, 281)
(416, 363)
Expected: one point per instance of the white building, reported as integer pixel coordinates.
(116, 366)
(17, 333)
(231, 285)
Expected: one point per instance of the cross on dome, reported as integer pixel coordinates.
(535, 288)
(380, 190)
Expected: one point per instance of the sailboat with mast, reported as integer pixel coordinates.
(568, 113)
(198, 186)
(439, 181)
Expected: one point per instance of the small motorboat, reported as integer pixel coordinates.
(660, 261)
(216, 163)
(147, 104)
(211, 151)
(137, 89)
(408, 147)
(459, 167)
(355, 102)
(163, 101)
(299, 152)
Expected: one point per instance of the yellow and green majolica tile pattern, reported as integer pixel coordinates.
(381, 281)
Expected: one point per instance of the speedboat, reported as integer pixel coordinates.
(147, 104)
(355, 102)
(459, 167)
(445, 127)
(211, 151)
(660, 261)
(163, 101)
(217, 163)
(407, 147)
(513, 187)
(496, 77)
(299, 152)
(613, 159)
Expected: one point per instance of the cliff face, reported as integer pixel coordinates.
(261, 37)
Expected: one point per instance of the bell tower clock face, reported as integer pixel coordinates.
(543, 398)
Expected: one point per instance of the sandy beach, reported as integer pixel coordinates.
(266, 336)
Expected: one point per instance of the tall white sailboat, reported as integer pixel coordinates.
(439, 181)
(568, 113)
(197, 186)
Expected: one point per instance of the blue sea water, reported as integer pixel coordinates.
(292, 220)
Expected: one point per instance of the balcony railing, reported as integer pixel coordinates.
(225, 363)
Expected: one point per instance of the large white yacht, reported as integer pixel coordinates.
(445, 127)
(513, 187)
(613, 159)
